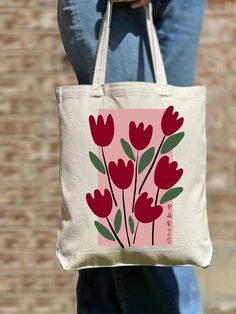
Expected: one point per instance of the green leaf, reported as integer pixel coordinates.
(171, 194)
(171, 142)
(104, 231)
(127, 149)
(117, 221)
(131, 224)
(145, 159)
(97, 162)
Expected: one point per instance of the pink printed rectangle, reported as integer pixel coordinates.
(137, 139)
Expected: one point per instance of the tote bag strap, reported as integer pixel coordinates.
(102, 48)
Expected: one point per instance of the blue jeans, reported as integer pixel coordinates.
(135, 289)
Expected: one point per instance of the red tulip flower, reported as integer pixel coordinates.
(101, 205)
(166, 174)
(140, 137)
(121, 174)
(102, 133)
(144, 212)
(169, 123)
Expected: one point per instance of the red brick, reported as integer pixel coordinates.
(28, 105)
(11, 42)
(30, 237)
(219, 29)
(27, 3)
(29, 19)
(223, 232)
(33, 149)
(44, 303)
(39, 191)
(30, 259)
(219, 7)
(35, 283)
(220, 175)
(13, 85)
(33, 125)
(45, 215)
(27, 172)
(221, 204)
(32, 63)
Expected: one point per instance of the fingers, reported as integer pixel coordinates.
(134, 4)
(138, 3)
(117, 1)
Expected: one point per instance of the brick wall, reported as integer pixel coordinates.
(217, 71)
(32, 63)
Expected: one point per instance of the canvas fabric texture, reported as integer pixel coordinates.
(132, 169)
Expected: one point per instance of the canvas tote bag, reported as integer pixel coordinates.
(132, 169)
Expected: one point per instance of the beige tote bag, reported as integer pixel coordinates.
(132, 169)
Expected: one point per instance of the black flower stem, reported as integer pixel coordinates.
(153, 223)
(153, 163)
(108, 177)
(136, 229)
(135, 182)
(115, 234)
(126, 228)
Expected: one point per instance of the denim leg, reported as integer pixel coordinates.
(128, 53)
(96, 292)
(179, 27)
(135, 289)
(158, 290)
(138, 290)
(178, 24)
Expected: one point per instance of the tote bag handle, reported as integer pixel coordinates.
(101, 54)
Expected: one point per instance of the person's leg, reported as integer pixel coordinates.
(128, 59)
(158, 290)
(138, 290)
(135, 289)
(96, 292)
(178, 28)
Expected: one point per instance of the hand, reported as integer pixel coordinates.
(135, 4)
